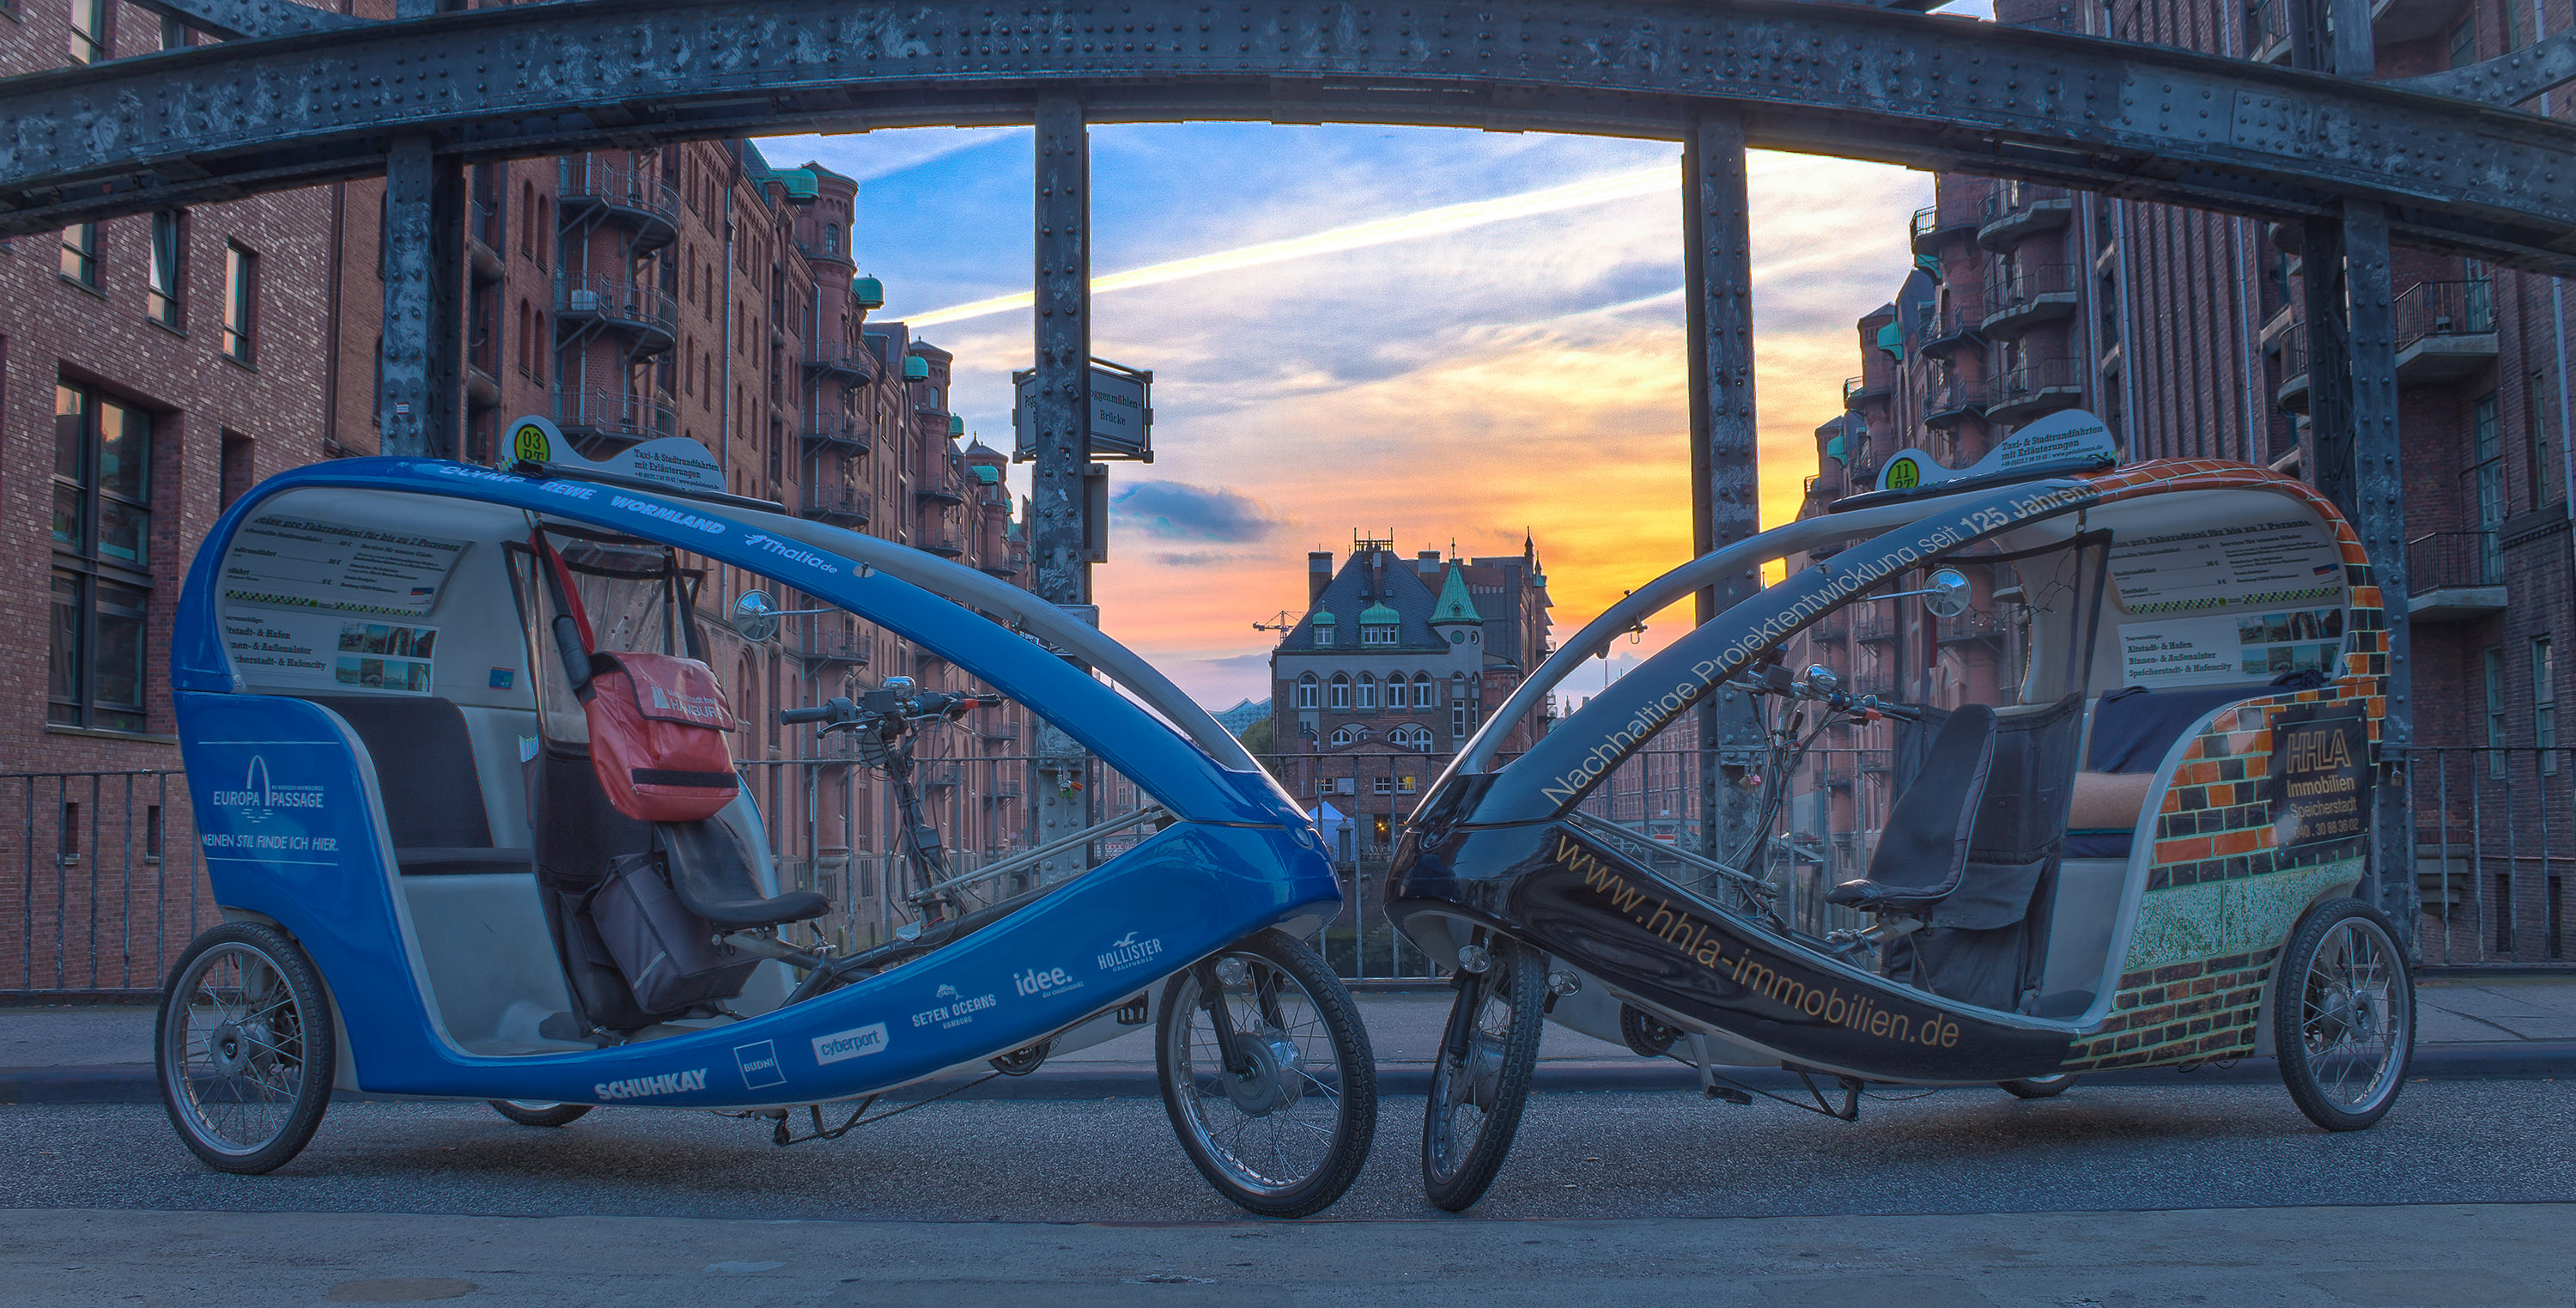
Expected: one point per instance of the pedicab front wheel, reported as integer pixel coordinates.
(244, 1048)
(1283, 1131)
(1480, 1079)
(539, 1112)
(2343, 1015)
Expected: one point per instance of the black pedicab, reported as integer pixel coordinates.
(2150, 848)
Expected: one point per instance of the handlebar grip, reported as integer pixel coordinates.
(818, 713)
(990, 701)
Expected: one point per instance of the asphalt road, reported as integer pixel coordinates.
(2110, 1197)
(1585, 1156)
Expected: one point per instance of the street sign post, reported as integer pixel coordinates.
(1122, 413)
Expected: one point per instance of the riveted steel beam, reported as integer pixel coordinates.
(1726, 492)
(1060, 417)
(423, 262)
(2543, 65)
(2140, 121)
(232, 19)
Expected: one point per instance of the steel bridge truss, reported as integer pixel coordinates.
(298, 96)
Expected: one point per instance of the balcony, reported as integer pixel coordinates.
(2454, 576)
(841, 359)
(610, 189)
(829, 251)
(2019, 209)
(1009, 564)
(484, 234)
(2443, 331)
(2033, 296)
(1959, 322)
(1874, 624)
(836, 434)
(1858, 391)
(838, 505)
(830, 647)
(1951, 399)
(1828, 483)
(2293, 394)
(609, 301)
(2037, 388)
(942, 487)
(1975, 624)
(1933, 222)
(613, 416)
(939, 543)
(1831, 629)
(2267, 30)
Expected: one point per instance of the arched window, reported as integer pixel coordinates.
(1341, 691)
(1306, 690)
(1368, 692)
(540, 347)
(1423, 694)
(523, 337)
(528, 219)
(1342, 736)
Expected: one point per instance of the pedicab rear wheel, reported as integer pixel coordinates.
(1285, 1134)
(2040, 1087)
(539, 1112)
(1480, 1080)
(2343, 1015)
(244, 1049)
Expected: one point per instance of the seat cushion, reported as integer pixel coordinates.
(711, 873)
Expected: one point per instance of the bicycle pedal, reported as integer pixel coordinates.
(1730, 1094)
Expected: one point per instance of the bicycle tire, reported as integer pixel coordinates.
(533, 1112)
(1517, 977)
(1353, 1088)
(220, 1070)
(2313, 999)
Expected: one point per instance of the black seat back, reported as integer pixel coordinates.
(1924, 846)
(424, 760)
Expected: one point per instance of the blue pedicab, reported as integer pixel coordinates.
(2145, 852)
(376, 668)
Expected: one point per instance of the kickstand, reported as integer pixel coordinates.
(1850, 1111)
(1708, 1086)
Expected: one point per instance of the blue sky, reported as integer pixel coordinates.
(1446, 373)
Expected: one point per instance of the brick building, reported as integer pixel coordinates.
(152, 368)
(2183, 330)
(1393, 665)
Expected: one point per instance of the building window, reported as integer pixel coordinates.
(1377, 635)
(2494, 666)
(1458, 720)
(241, 302)
(161, 300)
(2541, 443)
(174, 34)
(238, 469)
(89, 31)
(80, 254)
(1382, 785)
(102, 528)
(1323, 636)
(1341, 735)
(1307, 687)
(1341, 691)
(2487, 476)
(2544, 704)
(1404, 785)
(1423, 696)
(1368, 692)
(2464, 42)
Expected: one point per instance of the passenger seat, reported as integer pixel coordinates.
(424, 759)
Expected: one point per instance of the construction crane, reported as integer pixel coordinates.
(1283, 624)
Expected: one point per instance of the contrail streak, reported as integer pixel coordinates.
(1381, 231)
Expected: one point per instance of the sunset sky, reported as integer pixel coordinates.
(1443, 334)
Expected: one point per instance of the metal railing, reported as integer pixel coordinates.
(2495, 854)
(1961, 313)
(822, 250)
(105, 886)
(617, 184)
(2035, 379)
(2444, 559)
(614, 297)
(615, 414)
(2026, 283)
(838, 504)
(1952, 394)
(838, 432)
(840, 356)
(2009, 198)
(2465, 308)
(942, 484)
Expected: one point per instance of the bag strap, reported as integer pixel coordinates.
(571, 625)
(681, 604)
